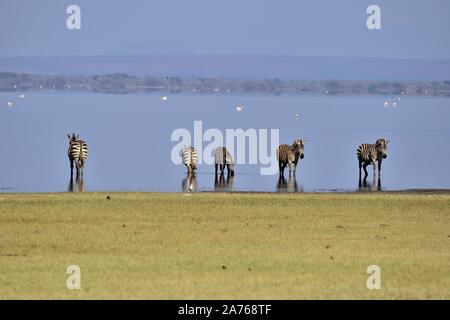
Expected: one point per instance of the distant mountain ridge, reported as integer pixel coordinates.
(236, 66)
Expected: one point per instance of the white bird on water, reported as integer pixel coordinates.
(386, 104)
(394, 104)
(239, 108)
(296, 115)
(164, 98)
(9, 103)
(21, 96)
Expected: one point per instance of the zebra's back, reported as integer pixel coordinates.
(190, 158)
(222, 156)
(366, 152)
(285, 154)
(78, 150)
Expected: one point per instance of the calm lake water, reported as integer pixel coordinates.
(130, 146)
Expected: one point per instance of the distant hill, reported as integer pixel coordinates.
(236, 66)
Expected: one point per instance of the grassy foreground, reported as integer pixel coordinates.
(217, 246)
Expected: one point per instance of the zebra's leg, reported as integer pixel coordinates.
(70, 189)
(71, 167)
(360, 166)
(379, 168)
(291, 168)
(374, 167)
(216, 182)
(81, 166)
(78, 168)
(365, 170)
(216, 166)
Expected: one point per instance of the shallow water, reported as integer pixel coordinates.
(130, 146)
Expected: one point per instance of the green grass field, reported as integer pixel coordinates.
(224, 246)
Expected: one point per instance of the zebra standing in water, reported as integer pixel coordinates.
(78, 152)
(371, 153)
(224, 159)
(289, 155)
(190, 158)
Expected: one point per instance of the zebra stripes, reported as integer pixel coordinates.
(368, 154)
(222, 159)
(190, 158)
(289, 155)
(77, 152)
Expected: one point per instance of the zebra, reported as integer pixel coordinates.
(368, 154)
(224, 159)
(289, 155)
(77, 152)
(190, 158)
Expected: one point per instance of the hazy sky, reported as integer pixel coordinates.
(410, 28)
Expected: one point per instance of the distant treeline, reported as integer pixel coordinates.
(119, 83)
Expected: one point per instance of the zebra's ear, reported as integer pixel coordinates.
(68, 136)
(387, 141)
(305, 141)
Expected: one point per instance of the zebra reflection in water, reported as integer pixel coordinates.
(363, 185)
(222, 184)
(287, 186)
(189, 183)
(79, 181)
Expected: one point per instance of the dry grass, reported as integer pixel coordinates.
(224, 246)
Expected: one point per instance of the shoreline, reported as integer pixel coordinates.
(414, 191)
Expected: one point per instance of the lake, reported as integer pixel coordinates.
(129, 138)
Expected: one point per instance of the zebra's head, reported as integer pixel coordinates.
(299, 146)
(381, 146)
